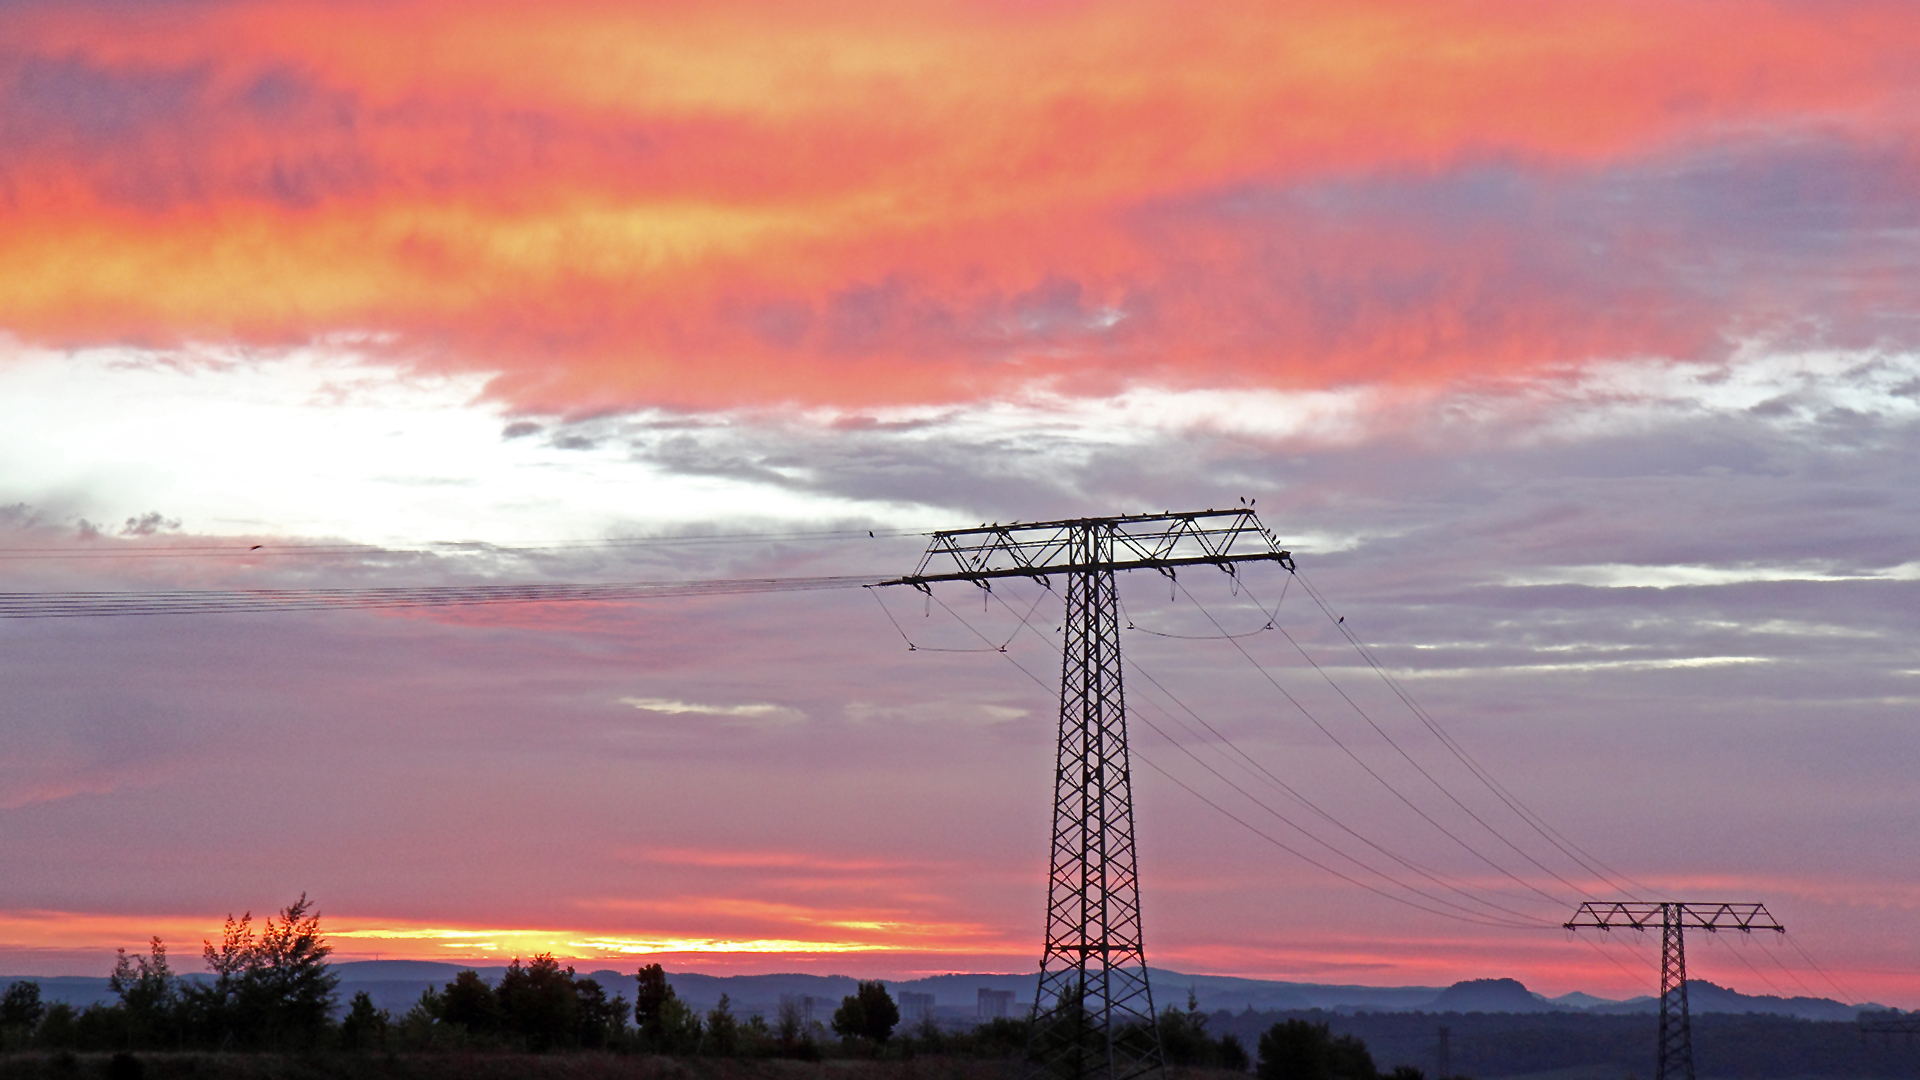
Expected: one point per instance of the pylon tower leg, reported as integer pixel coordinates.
(1093, 1015)
(1676, 1027)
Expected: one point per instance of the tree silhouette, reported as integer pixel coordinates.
(667, 1024)
(149, 993)
(1302, 1050)
(601, 1020)
(652, 994)
(790, 1026)
(20, 1013)
(723, 1031)
(273, 989)
(538, 1004)
(364, 1027)
(469, 1002)
(869, 1012)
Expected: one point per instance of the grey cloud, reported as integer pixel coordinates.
(1799, 233)
(1725, 732)
(149, 523)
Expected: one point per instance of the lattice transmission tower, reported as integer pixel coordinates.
(1889, 1023)
(1674, 919)
(1093, 1010)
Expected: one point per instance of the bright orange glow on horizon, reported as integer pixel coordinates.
(360, 938)
(80, 943)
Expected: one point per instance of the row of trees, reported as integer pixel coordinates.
(1184, 1040)
(541, 1006)
(537, 1007)
(270, 989)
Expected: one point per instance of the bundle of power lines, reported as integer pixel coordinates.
(54, 605)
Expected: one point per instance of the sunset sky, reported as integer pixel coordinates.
(1573, 348)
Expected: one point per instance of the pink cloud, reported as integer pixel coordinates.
(610, 206)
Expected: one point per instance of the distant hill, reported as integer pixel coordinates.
(1581, 1001)
(1706, 997)
(1491, 996)
(396, 984)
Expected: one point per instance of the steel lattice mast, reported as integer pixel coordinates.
(1889, 1024)
(1674, 919)
(1093, 1011)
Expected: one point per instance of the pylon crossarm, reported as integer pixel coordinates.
(1225, 562)
(1673, 919)
(1712, 917)
(1132, 542)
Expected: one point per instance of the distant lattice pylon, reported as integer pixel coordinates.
(1675, 1060)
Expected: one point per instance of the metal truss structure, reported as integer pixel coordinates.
(1674, 919)
(1890, 1023)
(1043, 549)
(1093, 1011)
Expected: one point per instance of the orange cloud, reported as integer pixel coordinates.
(356, 938)
(742, 203)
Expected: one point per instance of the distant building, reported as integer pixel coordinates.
(915, 1007)
(995, 1004)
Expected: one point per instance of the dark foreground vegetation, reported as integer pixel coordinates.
(476, 1065)
(268, 1007)
(1578, 1045)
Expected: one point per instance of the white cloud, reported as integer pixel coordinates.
(943, 712)
(673, 707)
(314, 443)
(1617, 576)
(1664, 664)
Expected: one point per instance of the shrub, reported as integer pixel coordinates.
(723, 1031)
(364, 1027)
(1300, 1050)
(470, 1003)
(667, 1024)
(867, 1013)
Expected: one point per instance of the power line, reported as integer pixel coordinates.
(1734, 948)
(1615, 961)
(1553, 836)
(1472, 916)
(270, 549)
(1262, 774)
(1370, 771)
(1805, 986)
(60, 605)
(1815, 964)
(1466, 914)
(1267, 776)
(1391, 741)
(1282, 845)
(1314, 862)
